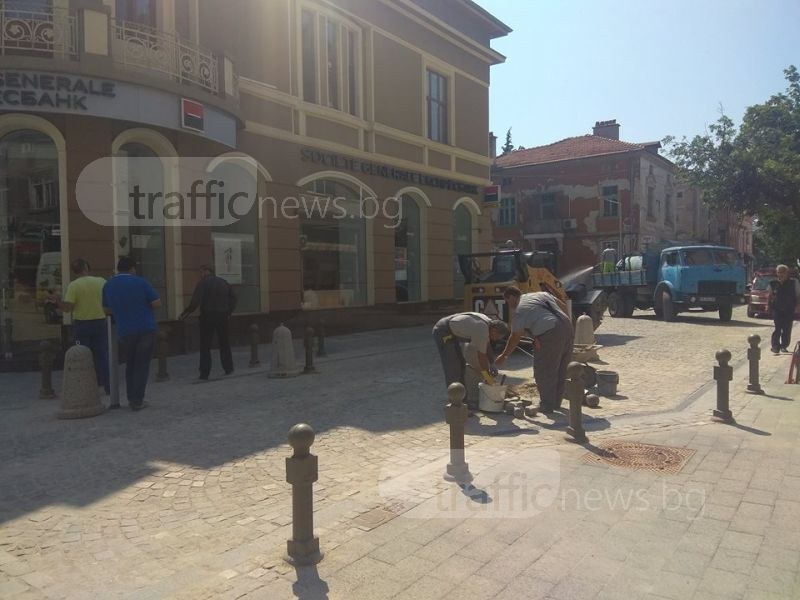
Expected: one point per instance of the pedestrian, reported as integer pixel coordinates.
(540, 316)
(472, 328)
(131, 300)
(609, 260)
(784, 300)
(84, 299)
(216, 300)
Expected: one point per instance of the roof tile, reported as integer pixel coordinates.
(574, 147)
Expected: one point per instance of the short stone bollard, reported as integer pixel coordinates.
(308, 344)
(162, 348)
(723, 374)
(46, 358)
(283, 359)
(321, 339)
(754, 356)
(79, 395)
(254, 362)
(574, 391)
(456, 414)
(302, 470)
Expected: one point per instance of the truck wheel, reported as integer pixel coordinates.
(616, 304)
(667, 308)
(750, 312)
(629, 305)
(725, 313)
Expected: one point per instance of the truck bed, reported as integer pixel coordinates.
(619, 279)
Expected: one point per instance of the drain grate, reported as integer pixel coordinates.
(642, 457)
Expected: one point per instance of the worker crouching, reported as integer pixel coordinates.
(475, 329)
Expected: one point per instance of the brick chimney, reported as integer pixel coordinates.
(492, 145)
(606, 129)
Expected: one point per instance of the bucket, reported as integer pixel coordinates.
(607, 383)
(491, 398)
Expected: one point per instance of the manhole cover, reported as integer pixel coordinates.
(643, 457)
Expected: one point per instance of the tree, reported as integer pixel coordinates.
(754, 170)
(508, 146)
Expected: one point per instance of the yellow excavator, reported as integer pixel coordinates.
(486, 275)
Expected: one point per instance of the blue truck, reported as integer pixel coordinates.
(676, 279)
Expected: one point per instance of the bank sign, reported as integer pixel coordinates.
(45, 91)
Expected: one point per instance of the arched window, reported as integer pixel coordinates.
(333, 247)
(143, 238)
(408, 252)
(30, 240)
(462, 244)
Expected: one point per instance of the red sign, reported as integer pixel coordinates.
(491, 194)
(192, 115)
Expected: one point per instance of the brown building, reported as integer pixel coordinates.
(382, 105)
(583, 194)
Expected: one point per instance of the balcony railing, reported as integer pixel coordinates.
(50, 32)
(138, 46)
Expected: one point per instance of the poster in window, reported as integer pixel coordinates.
(228, 258)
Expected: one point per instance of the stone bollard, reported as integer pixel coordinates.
(723, 374)
(162, 347)
(754, 356)
(302, 470)
(584, 331)
(46, 358)
(574, 392)
(308, 344)
(321, 339)
(456, 414)
(283, 359)
(79, 395)
(254, 362)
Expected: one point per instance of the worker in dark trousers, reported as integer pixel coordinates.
(216, 300)
(540, 315)
(784, 299)
(469, 327)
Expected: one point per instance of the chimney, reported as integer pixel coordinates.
(607, 129)
(492, 145)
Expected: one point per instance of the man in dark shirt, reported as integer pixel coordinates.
(784, 298)
(216, 300)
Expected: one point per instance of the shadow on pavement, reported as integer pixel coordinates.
(613, 339)
(309, 585)
(748, 429)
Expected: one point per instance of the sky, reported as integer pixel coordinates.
(659, 67)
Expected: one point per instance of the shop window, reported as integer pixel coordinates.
(143, 237)
(610, 201)
(407, 255)
(462, 244)
(235, 246)
(332, 246)
(30, 241)
(437, 107)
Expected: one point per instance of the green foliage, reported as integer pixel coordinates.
(776, 239)
(508, 146)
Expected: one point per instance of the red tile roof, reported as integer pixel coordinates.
(574, 147)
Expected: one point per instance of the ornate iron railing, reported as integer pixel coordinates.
(51, 32)
(136, 45)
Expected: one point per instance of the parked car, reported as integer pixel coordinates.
(758, 305)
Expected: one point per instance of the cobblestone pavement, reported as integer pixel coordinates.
(188, 499)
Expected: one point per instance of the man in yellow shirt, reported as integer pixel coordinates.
(84, 299)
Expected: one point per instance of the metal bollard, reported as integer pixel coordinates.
(456, 414)
(723, 374)
(302, 470)
(254, 362)
(308, 343)
(162, 345)
(321, 339)
(574, 391)
(46, 358)
(754, 356)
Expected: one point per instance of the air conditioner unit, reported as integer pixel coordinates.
(568, 224)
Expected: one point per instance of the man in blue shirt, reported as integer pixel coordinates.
(131, 300)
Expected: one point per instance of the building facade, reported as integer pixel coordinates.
(380, 105)
(581, 195)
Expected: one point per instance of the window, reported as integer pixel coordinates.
(547, 206)
(437, 107)
(309, 56)
(651, 202)
(43, 192)
(332, 49)
(507, 215)
(142, 12)
(610, 201)
(668, 208)
(337, 46)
